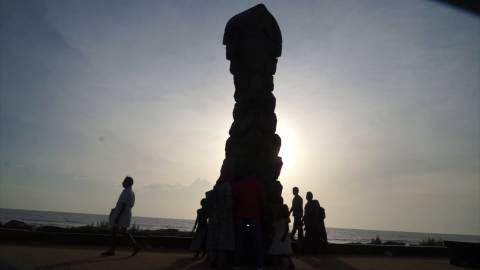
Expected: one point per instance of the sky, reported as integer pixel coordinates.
(378, 107)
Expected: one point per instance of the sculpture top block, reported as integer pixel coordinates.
(255, 25)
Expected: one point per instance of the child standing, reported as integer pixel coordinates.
(281, 245)
(200, 235)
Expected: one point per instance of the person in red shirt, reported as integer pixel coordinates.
(249, 199)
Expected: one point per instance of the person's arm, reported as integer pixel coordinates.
(195, 225)
(120, 212)
(294, 204)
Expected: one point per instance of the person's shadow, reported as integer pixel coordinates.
(93, 260)
(325, 263)
(187, 263)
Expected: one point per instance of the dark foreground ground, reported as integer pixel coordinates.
(40, 256)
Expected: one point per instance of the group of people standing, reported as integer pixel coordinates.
(230, 213)
(230, 219)
(313, 218)
(230, 224)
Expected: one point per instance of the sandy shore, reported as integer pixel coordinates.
(14, 257)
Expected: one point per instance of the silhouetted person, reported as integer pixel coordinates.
(315, 234)
(323, 230)
(249, 199)
(281, 244)
(221, 224)
(200, 235)
(121, 216)
(297, 211)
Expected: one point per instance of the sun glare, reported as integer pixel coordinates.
(289, 148)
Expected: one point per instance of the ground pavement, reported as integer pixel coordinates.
(37, 256)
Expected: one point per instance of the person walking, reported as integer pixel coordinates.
(221, 225)
(322, 229)
(312, 220)
(120, 217)
(200, 230)
(281, 246)
(297, 211)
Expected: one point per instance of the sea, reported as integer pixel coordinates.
(335, 235)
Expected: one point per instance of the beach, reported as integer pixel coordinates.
(38, 256)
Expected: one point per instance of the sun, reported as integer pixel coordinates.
(291, 152)
(289, 148)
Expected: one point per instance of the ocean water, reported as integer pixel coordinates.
(65, 219)
(335, 235)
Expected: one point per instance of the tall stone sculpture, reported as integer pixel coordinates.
(253, 42)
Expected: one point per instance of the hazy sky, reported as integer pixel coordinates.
(378, 106)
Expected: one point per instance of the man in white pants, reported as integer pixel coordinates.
(121, 216)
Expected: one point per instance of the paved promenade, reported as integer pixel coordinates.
(14, 257)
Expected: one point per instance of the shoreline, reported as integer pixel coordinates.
(105, 217)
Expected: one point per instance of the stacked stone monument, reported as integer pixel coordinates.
(253, 42)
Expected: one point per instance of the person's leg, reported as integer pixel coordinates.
(204, 252)
(239, 239)
(130, 238)
(203, 248)
(300, 229)
(316, 240)
(194, 245)
(257, 227)
(323, 232)
(295, 228)
(113, 242)
(132, 241)
(307, 243)
(291, 265)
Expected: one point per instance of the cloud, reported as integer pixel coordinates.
(171, 200)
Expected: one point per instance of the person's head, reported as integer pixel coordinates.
(295, 191)
(127, 182)
(203, 202)
(309, 196)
